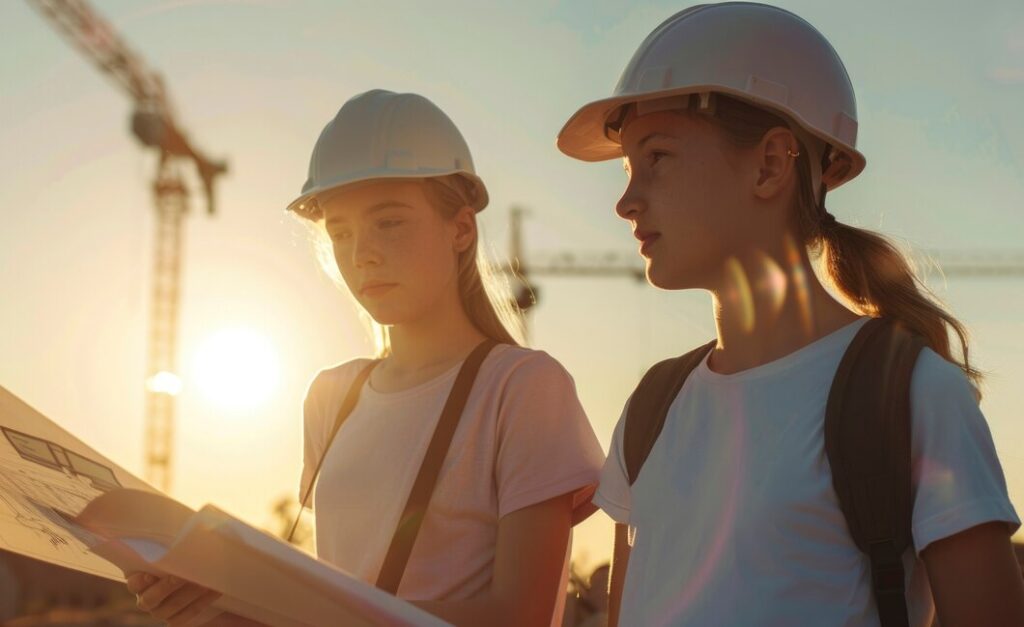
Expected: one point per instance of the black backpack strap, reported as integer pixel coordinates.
(867, 441)
(347, 405)
(649, 405)
(423, 488)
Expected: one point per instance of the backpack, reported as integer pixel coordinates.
(867, 442)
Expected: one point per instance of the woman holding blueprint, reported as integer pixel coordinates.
(452, 412)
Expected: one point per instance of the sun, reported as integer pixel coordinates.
(236, 368)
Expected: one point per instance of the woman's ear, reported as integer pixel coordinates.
(776, 154)
(465, 228)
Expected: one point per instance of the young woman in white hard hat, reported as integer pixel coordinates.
(392, 180)
(733, 120)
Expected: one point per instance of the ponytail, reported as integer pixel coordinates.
(868, 270)
(865, 267)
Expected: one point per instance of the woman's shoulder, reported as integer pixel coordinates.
(938, 380)
(517, 370)
(337, 377)
(942, 397)
(522, 362)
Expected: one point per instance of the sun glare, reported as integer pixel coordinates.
(164, 382)
(236, 368)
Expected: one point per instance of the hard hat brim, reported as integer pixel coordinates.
(583, 136)
(307, 206)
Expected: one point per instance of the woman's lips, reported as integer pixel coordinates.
(646, 241)
(377, 289)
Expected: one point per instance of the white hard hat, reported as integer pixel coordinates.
(761, 54)
(384, 135)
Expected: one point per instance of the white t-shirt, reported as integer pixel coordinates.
(734, 520)
(522, 439)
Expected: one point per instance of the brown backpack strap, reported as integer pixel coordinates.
(423, 488)
(649, 405)
(347, 405)
(867, 441)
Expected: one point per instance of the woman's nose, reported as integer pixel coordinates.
(631, 203)
(365, 252)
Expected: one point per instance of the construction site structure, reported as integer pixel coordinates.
(622, 264)
(153, 123)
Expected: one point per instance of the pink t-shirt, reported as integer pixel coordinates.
(522, 439)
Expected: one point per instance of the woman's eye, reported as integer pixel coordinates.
(387, 224)
(656, 156)
(341, 235)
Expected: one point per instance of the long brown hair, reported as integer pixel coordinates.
(863, 266)
(484, 292)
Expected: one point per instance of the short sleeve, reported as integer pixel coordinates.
(958, 482)
(546, 446)
(613, 494)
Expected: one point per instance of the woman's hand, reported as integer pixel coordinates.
(172, 600)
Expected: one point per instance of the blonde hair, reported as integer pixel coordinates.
(484, 291)
(863, 266)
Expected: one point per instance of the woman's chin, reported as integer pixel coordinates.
(390, 316)
(658, 276)
(662, 283)
(667, 276)
(384, 316)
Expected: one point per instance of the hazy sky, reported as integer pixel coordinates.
(940, 89)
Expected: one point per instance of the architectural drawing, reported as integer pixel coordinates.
(46, 477)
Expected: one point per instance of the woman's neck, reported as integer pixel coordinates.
(769, 304)
(427, 347)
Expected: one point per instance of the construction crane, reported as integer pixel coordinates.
(566, 264)
(612, 264)
(153, 124)
(974, 264)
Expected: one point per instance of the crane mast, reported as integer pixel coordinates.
(153, 124)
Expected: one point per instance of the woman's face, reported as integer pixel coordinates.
(395, 251)
(686, 199)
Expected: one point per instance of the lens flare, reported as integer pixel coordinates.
(771, 284)
(739, 294)
(164, 382)
(798, 279)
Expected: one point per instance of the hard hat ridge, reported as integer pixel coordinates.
(381, 135)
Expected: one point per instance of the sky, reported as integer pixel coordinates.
(939, 87)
